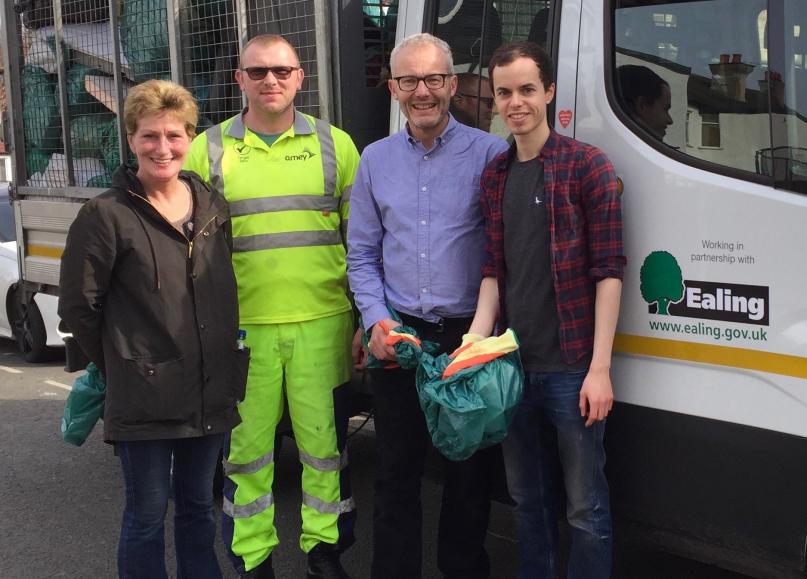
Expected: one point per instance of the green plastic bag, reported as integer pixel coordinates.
(407, 354)
(473, 408)
(85, 405)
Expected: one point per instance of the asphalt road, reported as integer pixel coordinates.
(60, 506)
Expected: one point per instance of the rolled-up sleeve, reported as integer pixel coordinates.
(602, 204)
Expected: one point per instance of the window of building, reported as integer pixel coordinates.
(710, 130)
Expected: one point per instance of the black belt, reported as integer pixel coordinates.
(444, 324)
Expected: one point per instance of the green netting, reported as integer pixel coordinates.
(36, 160)
(40, 110)
(144, 39)
(40, 117)
(80, 101)
(87, 134)
(110, 159)
(103, 181)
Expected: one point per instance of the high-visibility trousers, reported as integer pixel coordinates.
(310, 362)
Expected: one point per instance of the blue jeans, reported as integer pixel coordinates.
(147, 475)
(547, 442)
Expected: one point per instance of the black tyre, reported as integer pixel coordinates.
(29, 330)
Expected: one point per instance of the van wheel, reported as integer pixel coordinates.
(29, 330)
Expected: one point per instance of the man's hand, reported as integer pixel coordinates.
(467, 340)
(378, 340)
(596, 396)
(358, 352)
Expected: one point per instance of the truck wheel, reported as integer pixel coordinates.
(29, 330)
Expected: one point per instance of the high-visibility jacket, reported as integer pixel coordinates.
(289, 205)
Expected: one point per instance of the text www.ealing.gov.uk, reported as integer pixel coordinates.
(703, 329)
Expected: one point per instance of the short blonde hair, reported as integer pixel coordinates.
(265, 41)
(423, 39)
(160, 96)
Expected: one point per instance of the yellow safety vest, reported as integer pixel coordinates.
(289, 205)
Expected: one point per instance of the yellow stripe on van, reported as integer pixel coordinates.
(712, 354)
(44, 251)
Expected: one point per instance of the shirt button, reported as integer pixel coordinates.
(424, 290)
(424, 188)
(209, 427)
(206, 233)
(425, 157)
(193, 275)
(423, 222)
(150, 372)
(202, 326)
(423, 255)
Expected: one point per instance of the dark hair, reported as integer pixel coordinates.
(508, 53)
(637, 82)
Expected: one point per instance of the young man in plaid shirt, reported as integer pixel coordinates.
(553, 273)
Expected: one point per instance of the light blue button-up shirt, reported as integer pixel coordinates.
(415, 234)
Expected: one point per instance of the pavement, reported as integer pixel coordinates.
(60, 506)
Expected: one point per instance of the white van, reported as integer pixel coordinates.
(702, 107)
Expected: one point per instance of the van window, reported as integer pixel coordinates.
(474, 29)
(723, 81)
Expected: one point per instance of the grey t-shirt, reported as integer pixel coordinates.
(530, 290)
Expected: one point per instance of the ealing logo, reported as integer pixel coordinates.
(304, 156)
(663, 287)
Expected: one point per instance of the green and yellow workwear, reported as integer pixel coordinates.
(289, 204)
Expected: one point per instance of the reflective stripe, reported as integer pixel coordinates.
(328, 152)
(346, 193)
(249, 467)
(339, 508)
(259, 505)
(291, 239)
(215, 154)
(325, 464)
(284, 203)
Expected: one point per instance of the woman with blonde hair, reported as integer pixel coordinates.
(148, 291)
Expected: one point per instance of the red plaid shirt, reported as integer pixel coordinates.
(585, 232)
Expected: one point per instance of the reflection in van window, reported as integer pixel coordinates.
(474, 29)
(735, 72)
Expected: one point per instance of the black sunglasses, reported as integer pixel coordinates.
(279, 72)
(488, 101)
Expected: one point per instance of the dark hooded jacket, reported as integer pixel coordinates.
(156, 311)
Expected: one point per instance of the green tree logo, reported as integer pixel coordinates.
(661, 280)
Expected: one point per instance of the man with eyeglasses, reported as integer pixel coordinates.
(287, 177)
(472, 104)
(415, 243)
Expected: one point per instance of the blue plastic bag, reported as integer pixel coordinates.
(84, 406)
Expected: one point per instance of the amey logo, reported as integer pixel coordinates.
(666, 291)
(243, 151)
(304, 156)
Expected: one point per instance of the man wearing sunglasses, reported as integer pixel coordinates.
(472, 104)
(415, 244)
(287, 177)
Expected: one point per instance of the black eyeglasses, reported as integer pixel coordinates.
(487, 101)
(432, 81)
(279, 72)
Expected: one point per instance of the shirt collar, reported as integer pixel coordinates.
(448, 133)
(301, 126)
(547, 151)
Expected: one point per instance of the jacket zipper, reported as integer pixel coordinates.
(189, 240)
